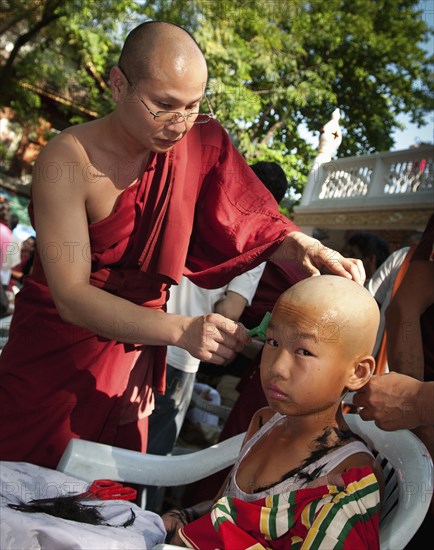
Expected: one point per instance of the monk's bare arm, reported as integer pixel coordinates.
(63, 243)
(404, 338)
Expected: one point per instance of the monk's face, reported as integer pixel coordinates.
(171, 85)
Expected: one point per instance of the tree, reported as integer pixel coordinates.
(277, 64)
(273, 65)
(59, 51)
(54, 58)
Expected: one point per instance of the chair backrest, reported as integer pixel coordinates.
(408, 474)
(406, 463)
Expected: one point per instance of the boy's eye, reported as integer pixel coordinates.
(304, 352)
(272, 342)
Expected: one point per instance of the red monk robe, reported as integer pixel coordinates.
(198, 206)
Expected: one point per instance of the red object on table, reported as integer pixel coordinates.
(107, 489)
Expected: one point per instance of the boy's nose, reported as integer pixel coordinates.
(281, 366)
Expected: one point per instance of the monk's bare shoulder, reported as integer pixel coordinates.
(60, 152)
(75, 141)
(66, 158)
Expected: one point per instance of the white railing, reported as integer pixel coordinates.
(384, 179)
(383, 191)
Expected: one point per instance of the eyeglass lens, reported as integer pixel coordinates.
(174, 117)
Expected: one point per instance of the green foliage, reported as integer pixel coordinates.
(65, 48)
(277, 64)
(273, 65)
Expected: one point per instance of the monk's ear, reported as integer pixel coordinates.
(360, 373)
(117, 82)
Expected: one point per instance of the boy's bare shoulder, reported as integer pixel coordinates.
(362, 460)
(356, 460)
(261, 417)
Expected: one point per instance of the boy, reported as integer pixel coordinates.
(302, 476)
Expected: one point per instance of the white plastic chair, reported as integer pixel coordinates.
(407, 466)
(409, 480)
(88, 460)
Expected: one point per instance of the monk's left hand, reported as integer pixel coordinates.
(315, 258)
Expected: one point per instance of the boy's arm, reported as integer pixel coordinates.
(239, 293)
(357, 460)
(258, 420)
(231, 306)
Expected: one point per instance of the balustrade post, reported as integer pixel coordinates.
(376, 187)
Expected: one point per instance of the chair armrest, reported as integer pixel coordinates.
(167, 547)
(89, 460)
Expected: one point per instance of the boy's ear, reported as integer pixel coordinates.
(361, 372)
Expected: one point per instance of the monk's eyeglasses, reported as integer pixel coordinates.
(174, 117)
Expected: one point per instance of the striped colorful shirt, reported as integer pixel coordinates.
(326, 517)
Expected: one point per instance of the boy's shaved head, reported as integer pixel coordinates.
(342, 310)
(155, 45)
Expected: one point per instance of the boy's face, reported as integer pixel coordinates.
(305, 364)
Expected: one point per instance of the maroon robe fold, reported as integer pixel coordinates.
(198, 209)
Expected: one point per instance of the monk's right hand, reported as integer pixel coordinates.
(214, 338)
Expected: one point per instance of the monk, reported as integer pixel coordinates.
(302, 478)
(123, 206)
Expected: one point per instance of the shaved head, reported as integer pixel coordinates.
(345, 310)
(155, 47)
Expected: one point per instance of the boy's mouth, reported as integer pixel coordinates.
(273, 392)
